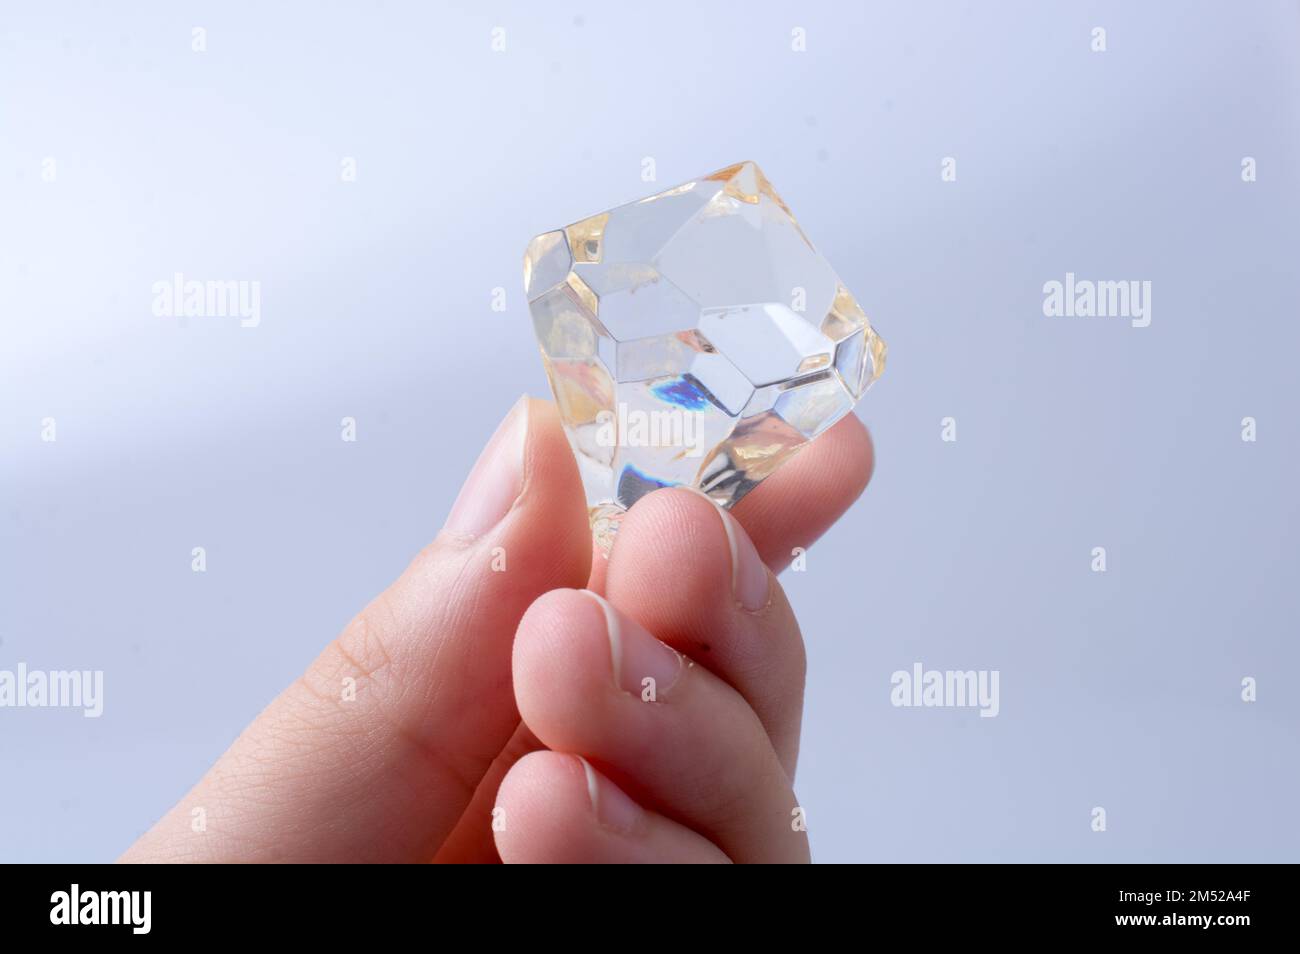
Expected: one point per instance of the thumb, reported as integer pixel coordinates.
(374, 753)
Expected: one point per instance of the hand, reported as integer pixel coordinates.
(394, 744)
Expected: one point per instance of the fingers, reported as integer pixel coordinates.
(374, 753)
(686, 571)
(808, 493)
(557, 809)
(471, 841)
(802, 499)
(691, 574)
(676, 738)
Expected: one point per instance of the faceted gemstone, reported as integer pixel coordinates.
(693, 337)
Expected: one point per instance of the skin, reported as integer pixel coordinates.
(483, 695)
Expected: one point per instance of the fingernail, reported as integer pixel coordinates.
(496, 480)
(749, 584)
(748, 571)
(642, 665)
(610, 804)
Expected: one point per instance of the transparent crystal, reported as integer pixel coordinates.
(693, 337)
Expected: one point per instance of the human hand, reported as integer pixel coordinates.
(409, 766)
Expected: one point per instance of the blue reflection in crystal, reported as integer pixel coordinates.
(633, 484)
(684, 391)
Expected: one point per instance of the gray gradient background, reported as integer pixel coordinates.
(1118, 689)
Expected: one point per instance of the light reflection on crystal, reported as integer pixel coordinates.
(703, 313)
(683, 391)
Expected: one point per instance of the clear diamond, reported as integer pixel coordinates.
(693, 337)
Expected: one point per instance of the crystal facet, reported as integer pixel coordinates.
(693, 337)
